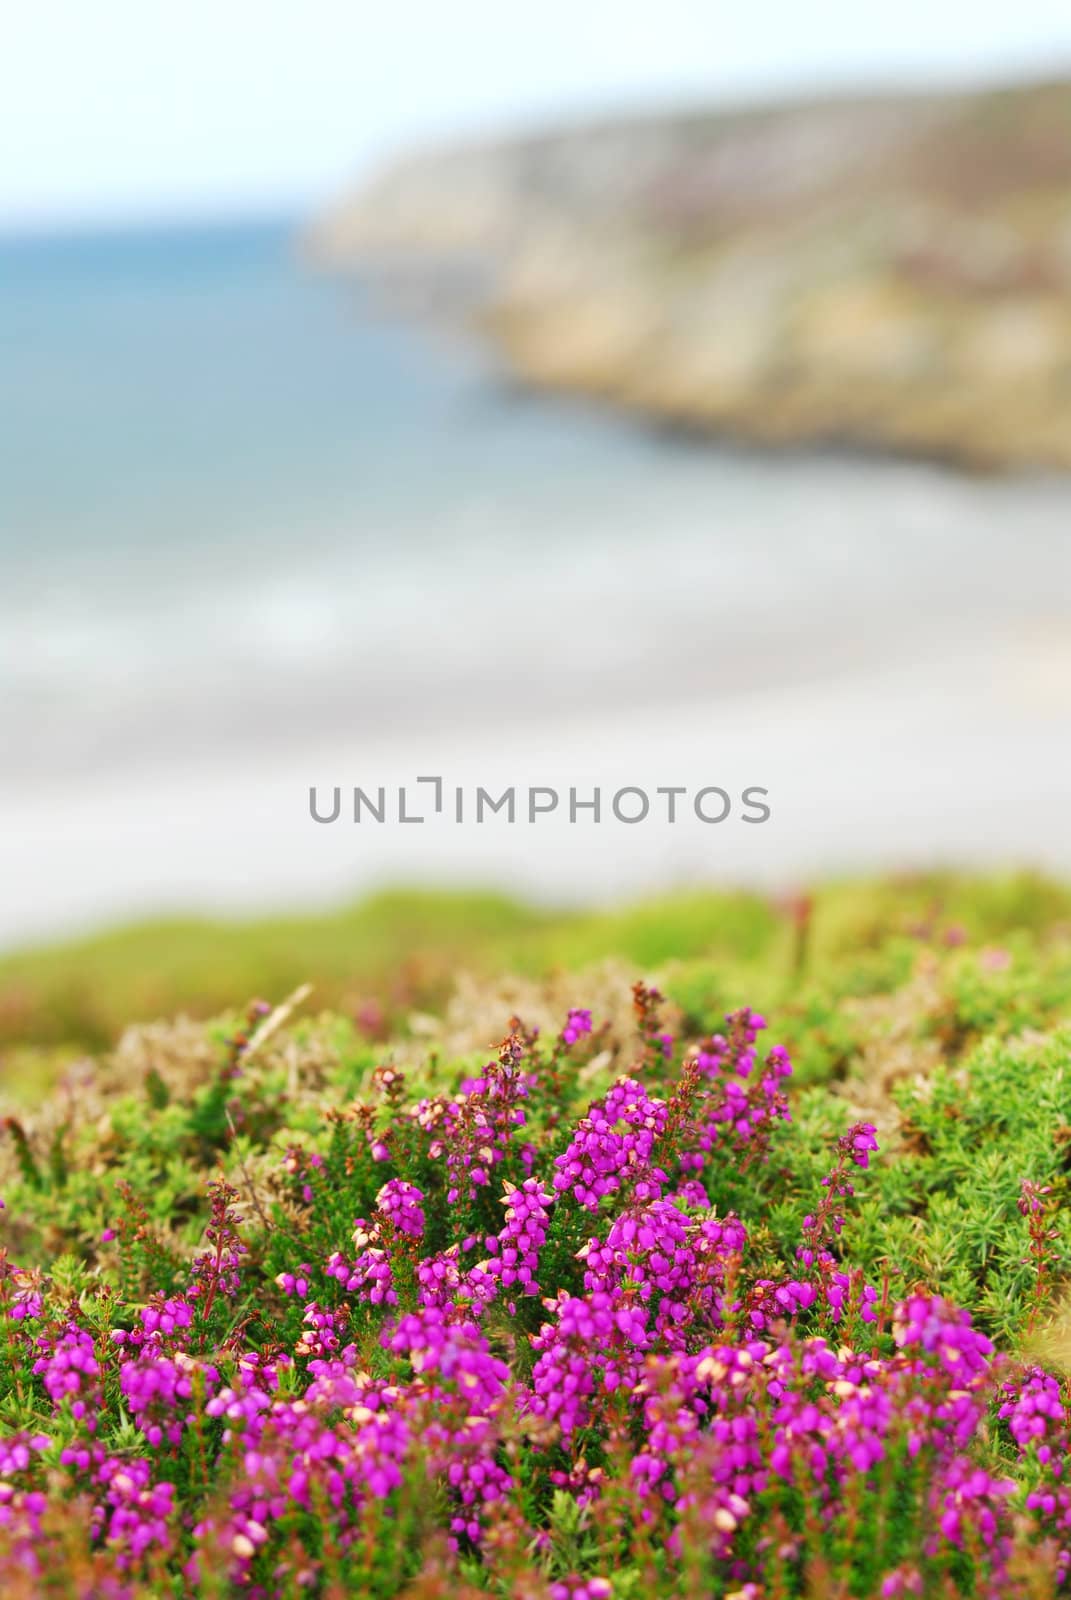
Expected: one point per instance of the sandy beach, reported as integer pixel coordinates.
(965, 761)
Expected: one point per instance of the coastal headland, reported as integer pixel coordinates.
(889, 273)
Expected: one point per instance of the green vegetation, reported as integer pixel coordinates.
(402, 951)
(270, 1330)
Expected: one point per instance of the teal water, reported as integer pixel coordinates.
(198, 385)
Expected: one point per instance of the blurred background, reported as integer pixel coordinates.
(583, 394)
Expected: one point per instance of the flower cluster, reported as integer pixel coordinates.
(529, 1365)
(736, 1100)
(614, 1145)
(400, 1204)
(159, 1392)
(1036, 1411)
(70, 1371)
(515, 1249)
(659, 1258)
(218, 1270)
(577, 1024)
(473, 1131)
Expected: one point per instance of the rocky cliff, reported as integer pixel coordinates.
(893, 273)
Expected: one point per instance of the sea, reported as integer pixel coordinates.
(257, 531)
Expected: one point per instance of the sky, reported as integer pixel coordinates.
(141, 108)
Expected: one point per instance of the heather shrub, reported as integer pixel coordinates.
(611, 1308)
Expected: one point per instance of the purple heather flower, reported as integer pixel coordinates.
(577, 1024)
